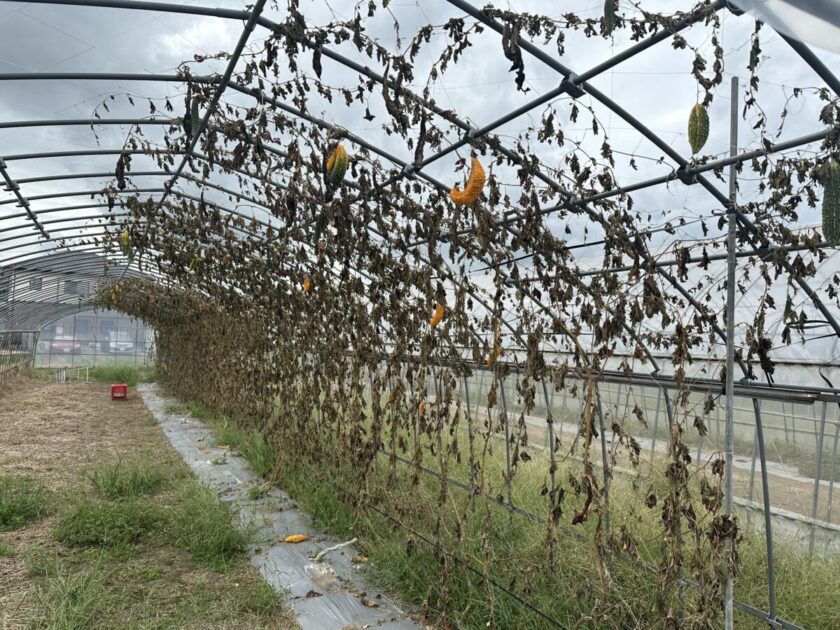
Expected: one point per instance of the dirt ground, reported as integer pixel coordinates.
(53, 433)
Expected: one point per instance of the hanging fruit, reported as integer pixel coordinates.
(831, 202)
(195, 116)
(187, 120)
(421, 408)
(336, 166)
(475, 182)
(437, 318)
(125, 244)
(609, 16)
(307, 284)
(698, 127)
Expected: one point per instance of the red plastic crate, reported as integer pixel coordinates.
(119, 391)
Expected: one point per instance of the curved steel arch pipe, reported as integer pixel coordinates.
(163, 7)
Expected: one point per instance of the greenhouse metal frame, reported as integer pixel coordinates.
(46, 229)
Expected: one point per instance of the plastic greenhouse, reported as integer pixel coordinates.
(548, 292)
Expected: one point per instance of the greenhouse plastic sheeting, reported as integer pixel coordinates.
(815, 22)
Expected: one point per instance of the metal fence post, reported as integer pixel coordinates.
(768, 522)
(784, 419)
(752, 463)
(816, 497)
(507, 441)
(655, 424)
(606, 471)
(549, 421)
(728, 596)
(833, 470)
(470, 439)
(562, 405)
(617, 400)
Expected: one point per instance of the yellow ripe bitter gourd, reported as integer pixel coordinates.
(307, 284)
(475, 183)
(336, 167)
(437, 317)
(698, 127)
(125, 243)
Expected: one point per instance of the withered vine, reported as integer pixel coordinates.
(307, 313)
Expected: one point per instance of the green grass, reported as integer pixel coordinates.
(104, 591)
(127, 539)
(128, 374)
(66, 598)
(130, 476)
(173, 408)
(93, 523)
(21, 501)
(201, 524)
(121, 514)
(808, 465)
(253, 446)
(137, 542)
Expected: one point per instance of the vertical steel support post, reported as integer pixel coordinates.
(833, 466)
(507, 441)
(35, 346)
(439, 426)
(655, 424)
(562, 406)
(73, 347)
(470, 438)
(730, 346)
(752, 462)
(784, 419)
(768, 520)
(549, 421)
(617, 401)
(604, 462)
(816, 496)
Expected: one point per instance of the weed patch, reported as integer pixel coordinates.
(128, 374)
(202, 525)
(21, 501)
(67, 598)
(90, 523)
(127, 477)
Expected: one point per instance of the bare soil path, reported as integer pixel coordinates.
(54, 434)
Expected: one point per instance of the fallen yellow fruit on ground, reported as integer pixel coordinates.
(296, 538)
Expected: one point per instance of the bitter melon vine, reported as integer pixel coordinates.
(302, 304)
